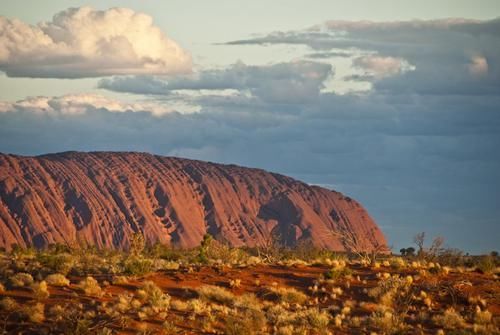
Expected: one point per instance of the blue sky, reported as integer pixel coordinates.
(392, 102)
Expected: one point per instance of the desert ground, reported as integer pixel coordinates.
(215, 289)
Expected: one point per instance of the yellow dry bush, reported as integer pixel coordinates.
(8, 305)
(450, 319)
(57, 279)
(216, 294)
(157, 302)
(235, 283)
(40, 290)
(21, 279)
(289, 295)
(34, 313)
(179, 305)
(91, 287)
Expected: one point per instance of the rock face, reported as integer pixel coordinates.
(104, 197)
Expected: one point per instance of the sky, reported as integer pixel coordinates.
(394, 103)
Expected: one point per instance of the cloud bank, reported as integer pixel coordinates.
(84, 42)
(448, 56)
(286, 83)
(77, 104)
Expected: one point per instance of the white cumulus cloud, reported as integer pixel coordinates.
(77, 104)
(84, 42)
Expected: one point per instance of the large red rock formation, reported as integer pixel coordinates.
(104, 197)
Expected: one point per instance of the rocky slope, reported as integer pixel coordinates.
(104, 197)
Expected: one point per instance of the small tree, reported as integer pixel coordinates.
(353, 246)
(419, 240)
(436, 247)
(204, 246)
(433, 251)
(137, 244)
(410, 251)
(270, 248)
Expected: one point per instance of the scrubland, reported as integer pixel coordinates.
(215, 289)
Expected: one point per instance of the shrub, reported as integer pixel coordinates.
(136, 266)
(451, 257)
(179, 305)
(286, 330)
(169, 327)
(450, 319)
(483, 322)
(34, 313)
(90, 286)
(486, 264)
(157, 301)
(197, 306)
(279, 316)
(338, 273)
(57, 312)
(289, 295)
(249, 322)
(8, 305)
(317, 320)
(40, 290)
(120, 280)
(170, 266)
(397, 262)
(124, 303)
(57, 279)
(212, 250)
(235, 283)
(248, 301)
(394, 293)
(21, 279)
(61, 263)
(137, 243)
(482, 317)
(216, 294)
(387, 322)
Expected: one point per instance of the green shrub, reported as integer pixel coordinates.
(21, 279)
(61, 263)
(136, 266)
(338, 273)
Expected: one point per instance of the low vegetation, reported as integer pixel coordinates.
(215, 289)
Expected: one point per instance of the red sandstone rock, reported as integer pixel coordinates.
(104, 197)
